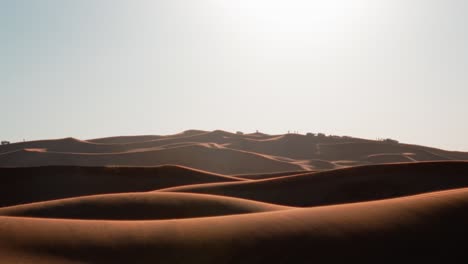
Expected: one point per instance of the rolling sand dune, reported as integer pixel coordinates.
(26, 185)
(220, 197)
(424, 227)
(217, 137)
(308, 152)
(354, 184)
(118, 144)
(139, 206)
(201, 156)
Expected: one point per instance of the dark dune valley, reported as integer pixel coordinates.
(221, 197)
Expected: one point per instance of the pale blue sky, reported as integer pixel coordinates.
(365, 68)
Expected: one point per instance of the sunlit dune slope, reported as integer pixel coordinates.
(139, 206)
(347, 185)
(424, 227)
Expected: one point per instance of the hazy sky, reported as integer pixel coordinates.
(365, 68)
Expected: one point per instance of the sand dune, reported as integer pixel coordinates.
(292, 146)
(262, 176)
(390, 158)
(124, 139)
(306, 152)
(26, 185)
(361, 150)
(217, 136)
(139, 206)
(201, 156)
(72, 145)
(142, 138)
(354, 184)
(224, 197)
(425, 227)
(117, 144)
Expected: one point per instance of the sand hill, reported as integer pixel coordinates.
(25, 185)
(221, 197)
(221, 152)
(425, 227)
(139, 206)
(363, 183)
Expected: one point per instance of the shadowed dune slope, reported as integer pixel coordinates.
(71, 145)
(143, 138)
(125, 139)
(354, 184)
(424, 227)
(26, 185)
(139, 206)
(389, 158)
(262, 176)
(361, 150)
(201, 156)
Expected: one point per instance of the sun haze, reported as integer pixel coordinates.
(364, 68)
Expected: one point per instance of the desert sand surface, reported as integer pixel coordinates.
(221, 197)
(343, 185)
(221, 152)
(25, 185)
(139, 206)
(426, 227)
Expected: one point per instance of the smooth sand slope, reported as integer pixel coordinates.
(422, 228)
(139, 206)
(26, 185)
(347, 185)
(207, 157)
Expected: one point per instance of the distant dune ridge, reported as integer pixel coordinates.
(220, 197)
(220, 151)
